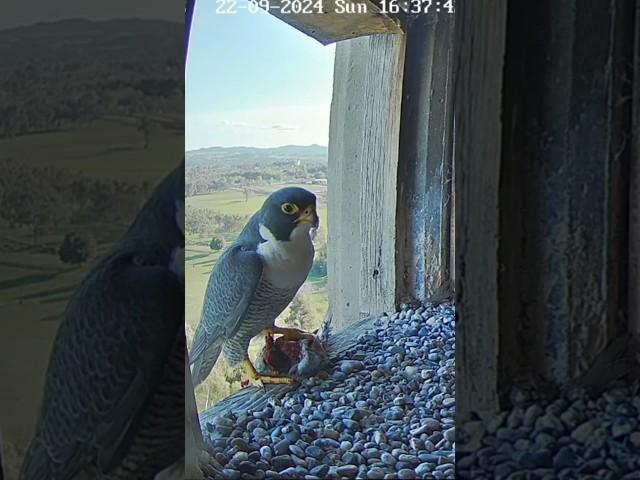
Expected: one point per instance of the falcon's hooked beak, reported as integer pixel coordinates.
(309, 216)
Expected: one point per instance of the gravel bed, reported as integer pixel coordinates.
(575, 436)
(385, 411)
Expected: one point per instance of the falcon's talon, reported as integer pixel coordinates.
(276, 379)
(256, 382)
(261, 380)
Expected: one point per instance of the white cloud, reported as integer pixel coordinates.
(269, 126)
(227, 123)
(283, 128)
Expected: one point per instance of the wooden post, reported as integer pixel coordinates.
(363, 156)
(379, 173)
(564, 188)
(480, 30)
(192, 430)
(542, 175)
(634, 197)
(424, 207)
(343, 185)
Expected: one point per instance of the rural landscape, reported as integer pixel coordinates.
(90, 121)
(225, 186)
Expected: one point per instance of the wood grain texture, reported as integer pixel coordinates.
(424, 207)
(479, 38)
(363, 154)
(345, 156)
(564, 188)
(193, 443)
(634, 194)
(332, 25)
(379, 173)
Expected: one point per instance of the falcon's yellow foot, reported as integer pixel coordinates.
(292, 333)
(260, 380)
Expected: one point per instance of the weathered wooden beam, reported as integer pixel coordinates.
(480, 29)
(193, 443)
(331, 21)
(343, 195)
(424, 207)
(363, 155)
(379, 173)
(634, 194)
(564, 188)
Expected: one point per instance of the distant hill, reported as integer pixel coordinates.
(216, 156)
(78, 40)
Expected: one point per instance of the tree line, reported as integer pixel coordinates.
(206, 222)
(50, 200)
(204, 179)
(48, 97)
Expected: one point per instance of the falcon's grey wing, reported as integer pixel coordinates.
(231, 286)
(109, 353)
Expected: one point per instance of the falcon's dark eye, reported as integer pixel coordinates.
(289, 208)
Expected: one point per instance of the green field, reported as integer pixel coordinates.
(109, 147)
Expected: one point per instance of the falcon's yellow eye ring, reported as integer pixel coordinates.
(289, 208)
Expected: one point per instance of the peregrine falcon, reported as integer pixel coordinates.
(113, 404)
(253, 282)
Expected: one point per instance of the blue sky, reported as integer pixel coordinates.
(253, 80)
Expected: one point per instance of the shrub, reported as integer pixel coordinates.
(216, 243)
(77, 248)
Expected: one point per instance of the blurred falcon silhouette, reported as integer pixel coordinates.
(113, 404)
(253, 282)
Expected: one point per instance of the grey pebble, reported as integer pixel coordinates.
(281, 447)
(230, 474)
(348, 471)
(351, 366)
(423, 470)
(450, 434)
(289, 472)
(388, 459)
(320, 471)
(265, 452)
(386, 409)
(296, 450)
(406, 474)
(281, 462)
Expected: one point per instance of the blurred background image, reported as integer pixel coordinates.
(91, 119)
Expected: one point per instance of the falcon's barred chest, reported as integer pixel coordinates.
(269, 302)
(286, 266)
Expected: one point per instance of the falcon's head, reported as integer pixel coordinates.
(289, 212)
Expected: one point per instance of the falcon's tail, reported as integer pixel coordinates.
(37, 464)
(324, 332)
(203, 363)
(2, 472)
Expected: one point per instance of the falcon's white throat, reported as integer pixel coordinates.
(287, 263)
